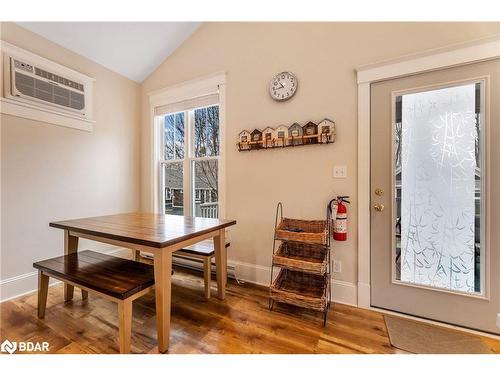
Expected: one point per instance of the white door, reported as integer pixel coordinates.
(435, 182)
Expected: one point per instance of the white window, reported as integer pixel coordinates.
(187, 154)
(189, 145)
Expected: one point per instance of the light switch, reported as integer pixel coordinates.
(340, 171)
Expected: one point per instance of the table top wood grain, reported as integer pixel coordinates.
(147, 229)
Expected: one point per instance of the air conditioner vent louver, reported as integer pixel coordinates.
(36, 88)
(58, 79)
(42, 90)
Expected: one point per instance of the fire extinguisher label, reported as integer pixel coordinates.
(340, 223)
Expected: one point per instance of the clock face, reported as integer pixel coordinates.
(283, 86)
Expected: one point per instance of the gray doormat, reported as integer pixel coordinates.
(421, 338)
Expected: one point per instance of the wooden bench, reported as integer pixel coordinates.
(202, 251)
(113, 278)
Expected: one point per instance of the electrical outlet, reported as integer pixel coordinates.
(337, 266)
(340, 171)
(498, 321)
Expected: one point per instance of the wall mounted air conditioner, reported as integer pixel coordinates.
(35, 83)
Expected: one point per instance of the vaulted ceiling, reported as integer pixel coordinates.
(133, 49)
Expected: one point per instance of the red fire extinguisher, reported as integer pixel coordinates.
(340, 222)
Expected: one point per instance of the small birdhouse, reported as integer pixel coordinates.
(281, 136)
(256, 139)
(295, 134)
(268, 136)
(326, 131)
(244, 140)
(310, 133)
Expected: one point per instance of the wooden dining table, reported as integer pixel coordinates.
(157, 234)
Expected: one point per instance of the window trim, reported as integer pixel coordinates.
(174, 94)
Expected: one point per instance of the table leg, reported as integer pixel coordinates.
(221, 263)
(70, 247)
(163, 278)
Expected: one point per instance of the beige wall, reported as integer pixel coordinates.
(51, 173)
(324, 56)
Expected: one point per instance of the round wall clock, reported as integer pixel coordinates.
(283, 86)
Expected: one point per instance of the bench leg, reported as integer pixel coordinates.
(85, 295)
(43, 288)
(207, 275)
(125, 325)
(70, 247)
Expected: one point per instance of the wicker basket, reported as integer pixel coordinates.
(302, 257)
(300, 289)
(308, 231)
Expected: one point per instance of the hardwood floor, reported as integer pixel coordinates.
(240, 324)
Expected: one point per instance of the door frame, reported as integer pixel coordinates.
(451, 56)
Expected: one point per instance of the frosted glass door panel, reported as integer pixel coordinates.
(438, 188)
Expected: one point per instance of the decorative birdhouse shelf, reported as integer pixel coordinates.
(292, 136)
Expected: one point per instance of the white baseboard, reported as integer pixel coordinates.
(343, 292)
(21, 285)
(251, 273)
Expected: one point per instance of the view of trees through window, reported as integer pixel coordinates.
(199, 163)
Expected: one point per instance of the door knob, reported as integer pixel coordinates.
(378, 207)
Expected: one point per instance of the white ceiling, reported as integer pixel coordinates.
(133, 49)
